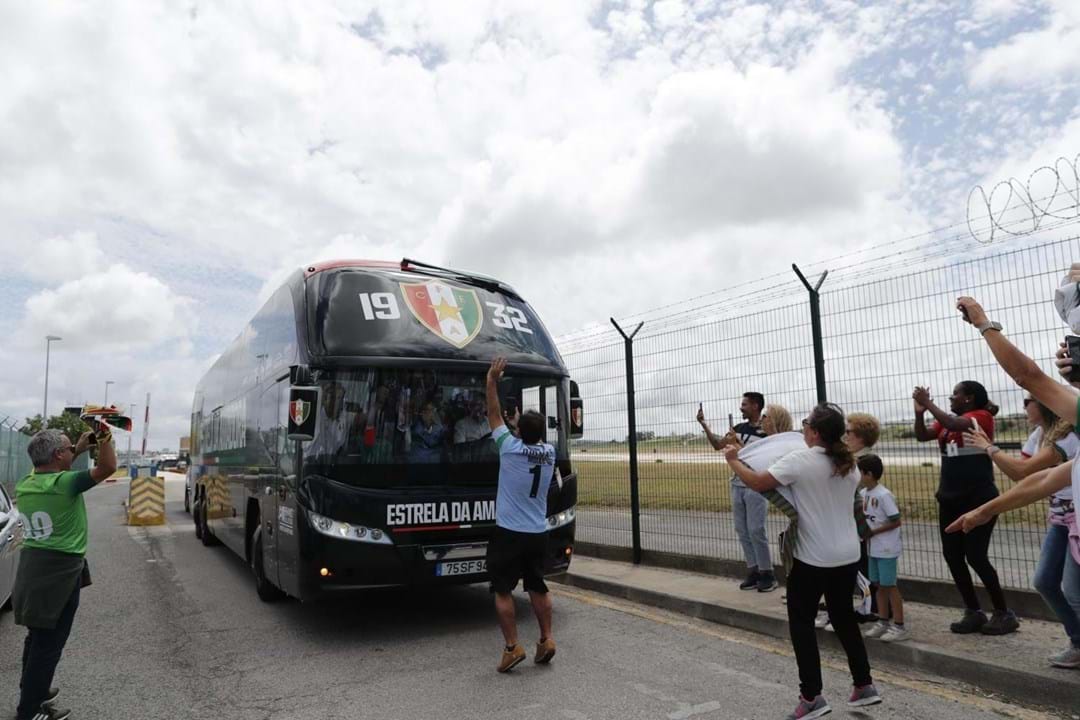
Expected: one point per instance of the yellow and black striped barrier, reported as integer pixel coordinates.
(146, 501)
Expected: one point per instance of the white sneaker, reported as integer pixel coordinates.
(1067, 658)
(896, 634)
(876, 630)
(822, 619)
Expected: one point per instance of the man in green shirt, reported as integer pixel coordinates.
(52, 566)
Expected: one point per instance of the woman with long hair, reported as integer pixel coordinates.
(1052, 442)
(967, 481)
(822, 478)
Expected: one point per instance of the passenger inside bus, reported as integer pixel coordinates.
(396, 416)
(428, 434)
(474, 426)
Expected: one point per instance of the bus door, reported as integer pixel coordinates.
(287, 517)
(269, 478)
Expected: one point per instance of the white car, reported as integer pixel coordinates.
(11, 537)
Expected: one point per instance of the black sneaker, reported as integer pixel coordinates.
(972, 622)
(751, 581)
(766, 583)
(1001, 623)
(48, 712)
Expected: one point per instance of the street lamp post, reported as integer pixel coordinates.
(49, 339)
(107, 384)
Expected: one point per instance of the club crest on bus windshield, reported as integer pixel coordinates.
(299, 411)
(454, 314)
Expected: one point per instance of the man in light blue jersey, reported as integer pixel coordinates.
(518, 545)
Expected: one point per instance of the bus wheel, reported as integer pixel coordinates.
(266, 590)
(196, 511)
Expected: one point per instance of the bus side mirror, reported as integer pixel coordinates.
(577, 418)
(300, 375)
(303, 409)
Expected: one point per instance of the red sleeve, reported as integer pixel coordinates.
(985, 420)
(935, 427)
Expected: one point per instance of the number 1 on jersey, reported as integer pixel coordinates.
(536, 480)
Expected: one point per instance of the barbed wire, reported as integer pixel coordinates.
(858, 271)
(1019, 196)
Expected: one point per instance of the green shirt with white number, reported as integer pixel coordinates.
(52, 510)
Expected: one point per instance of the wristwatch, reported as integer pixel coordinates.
(992, 449)
(988, 325)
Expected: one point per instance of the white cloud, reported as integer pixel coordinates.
(58, 259)
(603, 157)
(1038, 57)
(117, 309)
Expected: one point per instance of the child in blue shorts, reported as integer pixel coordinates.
(883, 518)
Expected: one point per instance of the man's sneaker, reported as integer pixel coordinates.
(972, 622)
(751, 581)
(53, 694)
(510, 658)
(822, 619)
(48, 712)
(545, 650)
(1067, 658)
(896, 633)
(807, 709)
(877, 630)
(766, 583)
(865, 695)
(1002, 623)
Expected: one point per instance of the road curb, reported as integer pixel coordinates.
(1058, 689)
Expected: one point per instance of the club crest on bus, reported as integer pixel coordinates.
(299, 410)
(454, 314)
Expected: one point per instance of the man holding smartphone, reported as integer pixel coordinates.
(748, 507)
(52, 567)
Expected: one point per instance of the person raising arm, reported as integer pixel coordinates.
(1060, 399)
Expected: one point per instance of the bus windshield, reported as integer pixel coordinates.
(392, 427)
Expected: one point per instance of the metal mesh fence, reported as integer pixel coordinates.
(886, 327)
(14, 462)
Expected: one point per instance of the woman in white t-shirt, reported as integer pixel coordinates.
(1051, 443)
(822, 478)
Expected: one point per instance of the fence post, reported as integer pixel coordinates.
(815, 328)
(631, 419)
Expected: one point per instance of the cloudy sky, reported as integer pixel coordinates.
(164, 164)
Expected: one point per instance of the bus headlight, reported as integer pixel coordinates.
(348, 531)
(561, 519)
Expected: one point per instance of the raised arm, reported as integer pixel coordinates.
(714, 440)
(1031, 489)
(1017, 468)
(947, 420)
(494, 407)
(1027, 374)
(106, 459)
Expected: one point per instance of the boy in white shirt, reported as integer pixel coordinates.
(883, 518)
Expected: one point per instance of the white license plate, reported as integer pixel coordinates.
(460, 567)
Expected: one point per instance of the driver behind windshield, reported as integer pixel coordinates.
(473, 426)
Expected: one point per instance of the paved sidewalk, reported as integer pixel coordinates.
(1014, 665)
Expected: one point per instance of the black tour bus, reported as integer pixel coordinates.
(397, 484)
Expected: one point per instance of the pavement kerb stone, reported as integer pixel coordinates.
(1058, 690)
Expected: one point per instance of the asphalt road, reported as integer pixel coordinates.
(174, 630)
